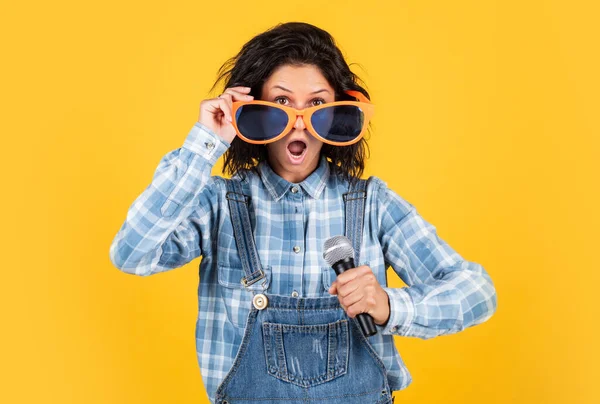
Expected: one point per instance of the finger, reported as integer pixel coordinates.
(352, 298)
(348, 288)
(239, 92)
(231, 97)
(359, 307)
(365, 305)
(225, 106)
(242, 89)
(352, 273)
(333, 288)
(237, 96)
(225, 96)
(215, 107)
(369, 278)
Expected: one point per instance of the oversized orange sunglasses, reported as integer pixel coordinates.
(339, 123)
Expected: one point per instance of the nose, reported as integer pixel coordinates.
(299, 124)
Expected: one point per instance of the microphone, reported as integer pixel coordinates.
(338, 253)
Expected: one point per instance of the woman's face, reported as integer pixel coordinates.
(296, 155)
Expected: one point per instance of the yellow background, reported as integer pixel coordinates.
(487, 120)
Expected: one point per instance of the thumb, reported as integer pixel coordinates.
(333, 288)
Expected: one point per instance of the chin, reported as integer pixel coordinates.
(291, 169)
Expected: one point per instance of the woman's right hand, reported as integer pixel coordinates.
(215, 113)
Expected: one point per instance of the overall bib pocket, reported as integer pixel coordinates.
(236, 297)
(306, 355)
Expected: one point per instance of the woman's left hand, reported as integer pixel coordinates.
(359, 292)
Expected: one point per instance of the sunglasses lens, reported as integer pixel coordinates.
(339, 123)
(260, 122)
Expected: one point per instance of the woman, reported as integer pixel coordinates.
(274, 322)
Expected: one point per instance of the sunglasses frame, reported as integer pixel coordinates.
(363, 103)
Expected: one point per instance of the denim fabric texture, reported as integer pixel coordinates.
(184, 213)
(304, 350)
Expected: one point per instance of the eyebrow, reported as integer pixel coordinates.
(289, 91)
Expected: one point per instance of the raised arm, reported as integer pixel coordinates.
(166, 224)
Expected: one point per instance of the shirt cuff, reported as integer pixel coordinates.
(203, 141)
(402, 312)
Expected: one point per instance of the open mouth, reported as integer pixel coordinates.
(297, 148)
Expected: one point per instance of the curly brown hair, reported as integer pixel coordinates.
(292, 43)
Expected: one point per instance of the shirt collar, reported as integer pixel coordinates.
(313, 184)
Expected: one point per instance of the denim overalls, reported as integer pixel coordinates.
(294, 349)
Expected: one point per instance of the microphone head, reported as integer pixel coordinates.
(337, 248)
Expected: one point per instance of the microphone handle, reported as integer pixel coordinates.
(365, 320)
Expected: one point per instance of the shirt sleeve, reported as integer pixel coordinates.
(166, 223)
(445, 293)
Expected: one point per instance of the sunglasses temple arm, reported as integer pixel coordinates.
(358, 95)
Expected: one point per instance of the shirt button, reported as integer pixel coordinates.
(210, 145)
(294, 294)
(294, 189)
(395, 328)
(296, 249)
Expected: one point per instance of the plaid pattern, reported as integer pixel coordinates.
(183, 214)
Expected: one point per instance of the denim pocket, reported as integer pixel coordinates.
(306, 355)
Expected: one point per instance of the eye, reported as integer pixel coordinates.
(318, 101)
(282, 99)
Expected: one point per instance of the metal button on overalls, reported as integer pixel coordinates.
(260, 301)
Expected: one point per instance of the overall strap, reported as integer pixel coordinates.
(354, 201)
(242, 229)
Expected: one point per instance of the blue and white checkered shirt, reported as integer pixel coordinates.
(183, 214)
